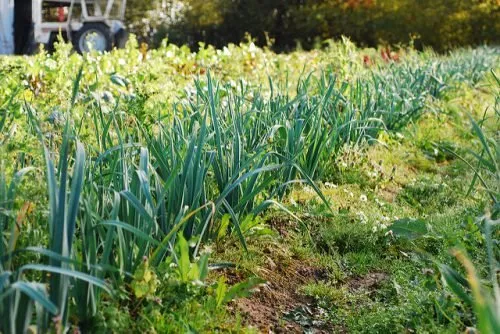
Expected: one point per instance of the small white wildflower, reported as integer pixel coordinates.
(374, 229)
(197, 282)
(363, 198)
(308, 189)
(226, 51)
(330, 185)
(51, 64)
(206, 249)
(383, 226)
(362, 217)
(252, 50)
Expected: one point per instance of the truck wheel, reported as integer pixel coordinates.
(95, 36)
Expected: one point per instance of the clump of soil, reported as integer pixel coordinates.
(266, 308)
(368, 282)
(277, 306)
(282, 225)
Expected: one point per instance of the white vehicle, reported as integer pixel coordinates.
(88, 24)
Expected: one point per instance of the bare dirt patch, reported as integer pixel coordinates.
(266, 308)
(282, 225)
(368, 282)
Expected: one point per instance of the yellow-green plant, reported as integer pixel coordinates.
(482, 295)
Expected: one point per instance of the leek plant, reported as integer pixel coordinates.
(485, 162)
(64, 187)
(483, 295)
(19, 298)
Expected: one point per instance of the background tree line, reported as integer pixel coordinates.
(442, 24)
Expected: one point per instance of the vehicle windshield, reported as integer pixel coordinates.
(110, 9)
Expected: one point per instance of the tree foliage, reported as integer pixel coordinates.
(441, 24)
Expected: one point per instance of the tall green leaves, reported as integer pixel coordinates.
(9, 223)
(63, 203)
(484, 161)
(64, 188)
(482, 295)
(484, 298)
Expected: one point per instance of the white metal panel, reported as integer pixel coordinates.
(6, 27)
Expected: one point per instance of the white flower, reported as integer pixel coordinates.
(362, 217)
(226, 52)
(308, 189)
(51, 63)
(330, 185)
(197, 282)
(363, 198)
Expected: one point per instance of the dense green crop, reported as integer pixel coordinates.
(145, 150)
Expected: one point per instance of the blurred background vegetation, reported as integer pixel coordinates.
(288, 24)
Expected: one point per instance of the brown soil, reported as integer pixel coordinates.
(277, 306)
(282, 225)
(368, 282)
(266, 308)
